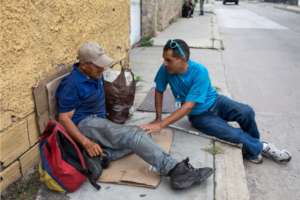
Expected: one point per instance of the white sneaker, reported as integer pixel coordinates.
(272, 152)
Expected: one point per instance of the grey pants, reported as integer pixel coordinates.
(120, 140)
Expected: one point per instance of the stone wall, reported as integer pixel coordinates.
(36, 36)
(158, 14)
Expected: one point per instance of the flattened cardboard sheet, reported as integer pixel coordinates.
(132, 170)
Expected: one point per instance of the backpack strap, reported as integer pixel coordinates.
(94, 183)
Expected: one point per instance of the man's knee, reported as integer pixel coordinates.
(247, 112)
(133, 137)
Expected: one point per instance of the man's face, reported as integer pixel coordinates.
(92, 70)
(173, 64)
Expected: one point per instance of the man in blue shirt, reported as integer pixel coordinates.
(81, 107)
(207, 111)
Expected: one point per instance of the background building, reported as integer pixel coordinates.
(148, 17)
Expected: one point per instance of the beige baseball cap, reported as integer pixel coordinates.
(91, 52)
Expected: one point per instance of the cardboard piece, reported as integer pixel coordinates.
(43, 94)
(51, 92)
(132, 170)
(148, 104)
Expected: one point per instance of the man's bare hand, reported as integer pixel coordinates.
(92, 148)
(157, 120)
(157, 125)
(153, 127)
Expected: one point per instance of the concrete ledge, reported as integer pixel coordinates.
(216, 36)
(295, 9)
(230, 176)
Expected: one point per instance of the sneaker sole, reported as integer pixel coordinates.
(191, 183)
(266, 155)
(257, 162)
(205, 177)
(278, 161)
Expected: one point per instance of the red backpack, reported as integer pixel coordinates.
(63, 167)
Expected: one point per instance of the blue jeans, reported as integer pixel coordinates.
(120, 140)
(214, 122)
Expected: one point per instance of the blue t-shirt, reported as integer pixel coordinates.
(80, 93)
(192, 86)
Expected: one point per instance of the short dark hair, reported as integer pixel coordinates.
(176, 52)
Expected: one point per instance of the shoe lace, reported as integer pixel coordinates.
(189, 166)
(275, 152)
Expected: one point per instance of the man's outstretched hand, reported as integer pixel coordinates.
(153, 127)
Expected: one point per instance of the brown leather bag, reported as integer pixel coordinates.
(119, 97)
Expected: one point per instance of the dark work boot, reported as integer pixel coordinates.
(184, 175)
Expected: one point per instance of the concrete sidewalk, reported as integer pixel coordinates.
(199, 32)
(228, 182)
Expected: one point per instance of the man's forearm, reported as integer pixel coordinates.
(73, 130)
(91, 147)
(158, 104)
(178, 114)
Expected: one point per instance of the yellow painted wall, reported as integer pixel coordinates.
(36, 36)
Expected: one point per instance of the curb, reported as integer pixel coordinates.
(230, 174)
(216, 36)
(294, 9)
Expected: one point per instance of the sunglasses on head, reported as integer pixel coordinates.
(175, 45)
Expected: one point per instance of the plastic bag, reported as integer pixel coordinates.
(111, 75)
(119, 95)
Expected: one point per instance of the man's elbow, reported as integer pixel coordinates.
(187, 110)
(63, 118)
(188, 107)
(159, 92)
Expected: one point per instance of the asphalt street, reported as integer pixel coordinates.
(262, 66)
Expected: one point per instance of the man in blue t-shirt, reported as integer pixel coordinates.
(81, 107)
(207, 111)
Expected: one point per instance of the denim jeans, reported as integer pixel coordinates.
(120, 140)
(214, 122)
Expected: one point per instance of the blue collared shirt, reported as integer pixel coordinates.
(82, 94)
(192, 86)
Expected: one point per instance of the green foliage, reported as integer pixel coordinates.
(214, 150)
(146, 41)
